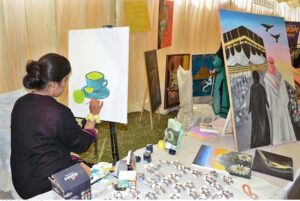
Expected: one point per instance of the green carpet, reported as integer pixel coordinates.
(135, 135)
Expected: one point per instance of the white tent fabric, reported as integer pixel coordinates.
(240, 58)
(185, 85)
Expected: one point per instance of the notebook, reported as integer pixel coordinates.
(273, 164)
(235, 163)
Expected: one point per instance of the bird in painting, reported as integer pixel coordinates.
(276, 37)
(267, 26)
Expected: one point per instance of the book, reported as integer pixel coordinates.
(235, 163)
(273, 164)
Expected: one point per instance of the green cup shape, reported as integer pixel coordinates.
(95, 80)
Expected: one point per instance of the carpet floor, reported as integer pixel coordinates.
(135, 135)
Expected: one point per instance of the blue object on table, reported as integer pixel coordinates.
(138, 159)
(149, 148)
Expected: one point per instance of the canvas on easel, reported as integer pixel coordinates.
(153, 79)
(153, 88)
(99, 60)
(171, 80)
(257, 64)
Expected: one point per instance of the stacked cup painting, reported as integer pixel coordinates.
(258, 63)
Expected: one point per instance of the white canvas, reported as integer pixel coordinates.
(105, 50)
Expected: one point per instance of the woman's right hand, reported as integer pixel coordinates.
(95, 106)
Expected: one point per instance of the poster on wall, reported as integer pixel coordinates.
(258, 66)
(153, 79)
(137, 15)
(165, 23)
(171, 81)
(293, 29)
(99, 60)
(203, 74)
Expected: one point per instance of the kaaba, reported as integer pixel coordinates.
(243, 46)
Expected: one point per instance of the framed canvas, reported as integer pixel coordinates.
(171, 82)
(257, 63)
(99, 60)
(165, 23)
(203, 74)
(153, 79)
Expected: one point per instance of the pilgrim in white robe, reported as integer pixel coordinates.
(281, 126)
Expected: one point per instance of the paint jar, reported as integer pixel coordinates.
(149, 148)
(147, 157)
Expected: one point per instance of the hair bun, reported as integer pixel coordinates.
(32, 67)
(34, 78)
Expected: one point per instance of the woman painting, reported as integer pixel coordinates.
(43, 131)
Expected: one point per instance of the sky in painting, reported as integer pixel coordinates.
(279, 51)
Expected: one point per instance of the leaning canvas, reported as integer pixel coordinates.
(223, 160)
(171, 81)
(273, 164)
(257, 64)
(99, 60)
(203, 74)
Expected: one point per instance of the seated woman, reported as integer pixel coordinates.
(44, 131)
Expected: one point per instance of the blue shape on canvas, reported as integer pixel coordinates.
(203, 77)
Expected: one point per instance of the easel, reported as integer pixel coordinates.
(112, 129)
(114, 143)
(227, 123)
(143, 107)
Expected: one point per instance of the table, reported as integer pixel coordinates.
(191, 145)
(186, 153)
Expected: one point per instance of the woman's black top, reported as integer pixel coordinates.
(43, 133)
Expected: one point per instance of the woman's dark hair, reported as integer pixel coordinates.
(255, 76)
(50, 67)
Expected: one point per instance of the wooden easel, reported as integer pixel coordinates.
(143, 107)
(227, 123)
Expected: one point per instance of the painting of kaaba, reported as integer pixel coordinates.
(257, 61)
(243, 46)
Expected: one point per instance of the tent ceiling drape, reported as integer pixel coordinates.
(291, 3)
